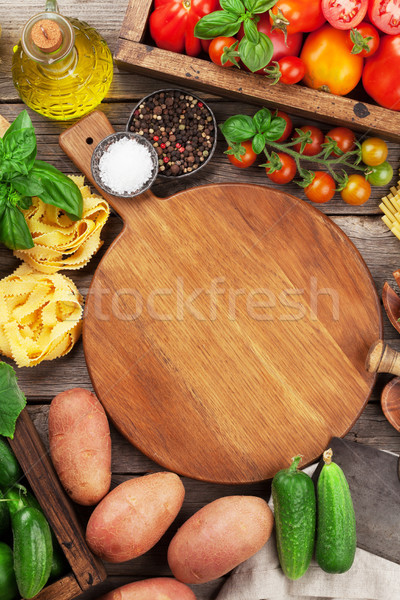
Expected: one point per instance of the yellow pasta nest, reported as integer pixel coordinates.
(40, 316)
(61, 243)
(390, 205)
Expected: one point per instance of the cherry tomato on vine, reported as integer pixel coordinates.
(363, 40)
(344, 137)
(317, 138)
(217, 48)
(381, 174)
(303, 15)
(330, 66)
(343, 14)
(384, 15)
(292, 69)
(357, 190)
(286, 172)
(374, 151)
(289, 125)
(247, 159)
(321, 189)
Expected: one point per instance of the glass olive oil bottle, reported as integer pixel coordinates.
(62, 68)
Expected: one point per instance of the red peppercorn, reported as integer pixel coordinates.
(166, 159)
(177, 145)
(155, 138)
(162, 145)
(181, 150)
(200, 104)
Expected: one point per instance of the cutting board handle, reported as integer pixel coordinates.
(383, 359)
(79, 142)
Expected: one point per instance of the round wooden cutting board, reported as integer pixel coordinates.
(226, 328)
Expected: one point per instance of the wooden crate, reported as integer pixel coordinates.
(86, 570)
(135, 54)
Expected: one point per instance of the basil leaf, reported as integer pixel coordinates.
(256, 56)
(58, 189)
(257, 7)
(216, 24)
(27, 185)
(236, 7)
(23, 121)
(25, 203)
(3, 197)
(262, 120)
(251, 31)
(11, 168)
(238, 128)
(20, 144)
(276, 129)
(14, 231)
(258, 143)
(12, 400)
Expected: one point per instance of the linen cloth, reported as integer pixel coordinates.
(261, 578)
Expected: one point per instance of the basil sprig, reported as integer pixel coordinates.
(22, 176)
(263, 127)
(255, 49)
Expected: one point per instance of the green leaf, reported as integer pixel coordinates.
(4, 188)
(276, 129)
(25, 203)
(256, 56)
(257, 7)
(236, 7)
(14, 231)
(218, 23)
(27, 185)
(262, 120)
(251, 32)
(12, 167)
(23, 121)
(12, 400)
(58, 189)
(238, 128)
(20, 144)
(258, 143)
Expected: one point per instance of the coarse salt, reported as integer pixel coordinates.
(126, 166)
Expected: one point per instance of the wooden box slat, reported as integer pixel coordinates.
(202, 74)
(39, 471)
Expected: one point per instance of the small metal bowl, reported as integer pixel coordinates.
(186, 93)
(105, 144)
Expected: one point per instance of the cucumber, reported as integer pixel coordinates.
(10, 471)
(336, 528)
(33, 551)
(293, 494)
(18, 498)
(4, 516)
(8, 585)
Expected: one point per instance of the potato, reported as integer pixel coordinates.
(218, 537)
(134, 516)
(80, 445)
(160, 588)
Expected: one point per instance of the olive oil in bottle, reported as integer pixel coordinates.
(62, 68)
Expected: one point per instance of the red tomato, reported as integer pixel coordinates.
(292, 69)
(357, 190)
(286, 172)
(321, 189)
(380, 73)
(345, 139)
(330, 65)
(303, 15)
(216, 50)
(385, 15)
(247, 159)
(172, 24)
(363, 40)
(291, 47)
(317, 138)
(344, 14)
(289, 125)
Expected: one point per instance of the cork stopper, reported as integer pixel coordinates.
(46, 35)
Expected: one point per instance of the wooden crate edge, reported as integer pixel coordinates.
(66, 588)
(39, 470)
(302, 101)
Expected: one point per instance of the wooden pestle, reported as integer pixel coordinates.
(382, 359)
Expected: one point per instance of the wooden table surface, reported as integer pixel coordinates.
(380, 249)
